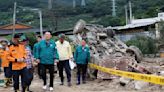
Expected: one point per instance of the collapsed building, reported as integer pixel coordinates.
(109, 51)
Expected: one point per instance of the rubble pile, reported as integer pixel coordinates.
(108, 51)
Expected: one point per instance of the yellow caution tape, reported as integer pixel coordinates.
(136, 76)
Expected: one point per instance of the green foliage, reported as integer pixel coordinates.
(9, 37)
(32, 38)
(100, 7)
(6, 5)
(96, 11)
(146, 44)
(55, 38)
(161, 28)
(109, 20)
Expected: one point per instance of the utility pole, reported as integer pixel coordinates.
(130, 11)
(39, 11)
(113, 8)
(41, 24)
(74, 3)
(83, 3)
(126, 14)
(49, 4)
(14, 19)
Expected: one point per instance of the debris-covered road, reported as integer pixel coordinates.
(96, 85)
(91, 86)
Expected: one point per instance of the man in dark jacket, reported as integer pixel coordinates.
(47, 54)
(82, 57)
(39, 38)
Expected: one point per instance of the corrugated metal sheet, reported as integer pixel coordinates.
(139, 23)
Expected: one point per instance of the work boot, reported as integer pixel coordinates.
(6, 83)
(10, 81)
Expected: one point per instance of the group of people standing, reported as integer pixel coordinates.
(18, 59)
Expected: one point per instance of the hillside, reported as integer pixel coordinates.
(95, 11)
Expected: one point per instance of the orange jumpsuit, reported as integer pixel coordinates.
(3, 55)
(17, 52)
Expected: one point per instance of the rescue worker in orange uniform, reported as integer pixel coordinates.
(4, 52)
(17, 55)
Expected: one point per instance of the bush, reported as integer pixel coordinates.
(146, 44)
(110, 21)
(32, 38)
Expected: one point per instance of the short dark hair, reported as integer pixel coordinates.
(39, 36)
(17, 36)
(3, 41)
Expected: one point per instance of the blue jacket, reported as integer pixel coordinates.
(47, 52)
(82, 56)
(35, 49)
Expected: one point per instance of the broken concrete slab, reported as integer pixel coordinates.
(140, 85)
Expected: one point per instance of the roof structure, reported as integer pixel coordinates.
(136, 23)
(19, 28)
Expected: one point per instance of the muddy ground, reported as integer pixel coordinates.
(96, 85)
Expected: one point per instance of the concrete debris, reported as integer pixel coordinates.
(161, 73)
(124, 81)
(110, 52)
(140, 85)
(135, 51)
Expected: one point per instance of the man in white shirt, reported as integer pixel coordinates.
(65, 54)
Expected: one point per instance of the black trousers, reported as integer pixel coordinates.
(39, 70)
(0, 65)
(23, 74)
(50, 68)
(64, 65)
(30, 76)
(8, 71)
(81, 72)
